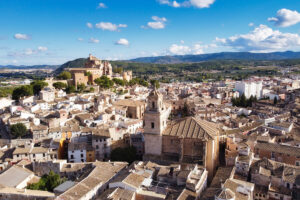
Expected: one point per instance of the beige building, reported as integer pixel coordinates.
(188, 140)
(95, 68)
(134, 109)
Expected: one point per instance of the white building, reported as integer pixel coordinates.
(77, 152)
(47, 94)
(249, 89)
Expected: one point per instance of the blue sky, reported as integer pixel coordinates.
(55, 31)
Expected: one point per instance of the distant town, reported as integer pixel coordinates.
(103, 132)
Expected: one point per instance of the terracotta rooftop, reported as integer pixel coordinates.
(294, 151)
(192, 128)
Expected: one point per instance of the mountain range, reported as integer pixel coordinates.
(288, 55)
(218, 56)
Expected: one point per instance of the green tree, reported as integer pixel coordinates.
(6, 91)
(47, 183)
(127, 154)
(87, 73)
(25, 90)
(118, 70)
(118, 81)
(64, 75)
(18, 130)
(243, 100)
(143, 83)
(70, 89)
(155, 83)
(92, 89)
(37, 86)
(81, 87)
(104, 82)
(59, 85)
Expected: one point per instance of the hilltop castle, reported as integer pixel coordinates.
(95, 68)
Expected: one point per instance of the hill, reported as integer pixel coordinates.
(219, 56)
(80, 62)
(29, 67)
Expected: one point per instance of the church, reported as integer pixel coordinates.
(188, 140)
(95, 68)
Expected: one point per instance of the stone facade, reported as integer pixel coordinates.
(156, 116)
(94, 68)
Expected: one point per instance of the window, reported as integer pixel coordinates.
(81, 155)
(152, 124)
(44, 155)
(72, 157)
(272, 155)
(97, 147)
(153, 104)
(82, 160)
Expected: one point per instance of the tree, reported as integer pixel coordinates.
(127, 154)
(118, 70)
(118, 81)
(70, 89)
(59, 85)
(87, 73)
(155, 83)
(104, 82)
(37, 86)
(18, 130)
(48, 182)
(92, 89)
(275, 101)
(81, 87)
(243, 100)
(64, 75)
(25, 90)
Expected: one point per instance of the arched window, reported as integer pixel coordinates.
(153, 104)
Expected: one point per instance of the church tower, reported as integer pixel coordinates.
(155, 121)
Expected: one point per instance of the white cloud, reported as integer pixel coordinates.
(188, 3)
(182, 41)
(89, 25)
(102, 5)
(175, 49)
(94, 40)
(251, 24)
(20, 36)
(41, 48)
(123, 42)
(28, 52)
(285, 18)
(122, 25)
(110, 26)
(175, 4)
(158, 23)
(262, 39)
(201, 3)
(80, 39)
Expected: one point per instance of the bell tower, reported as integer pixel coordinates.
(155, 121)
